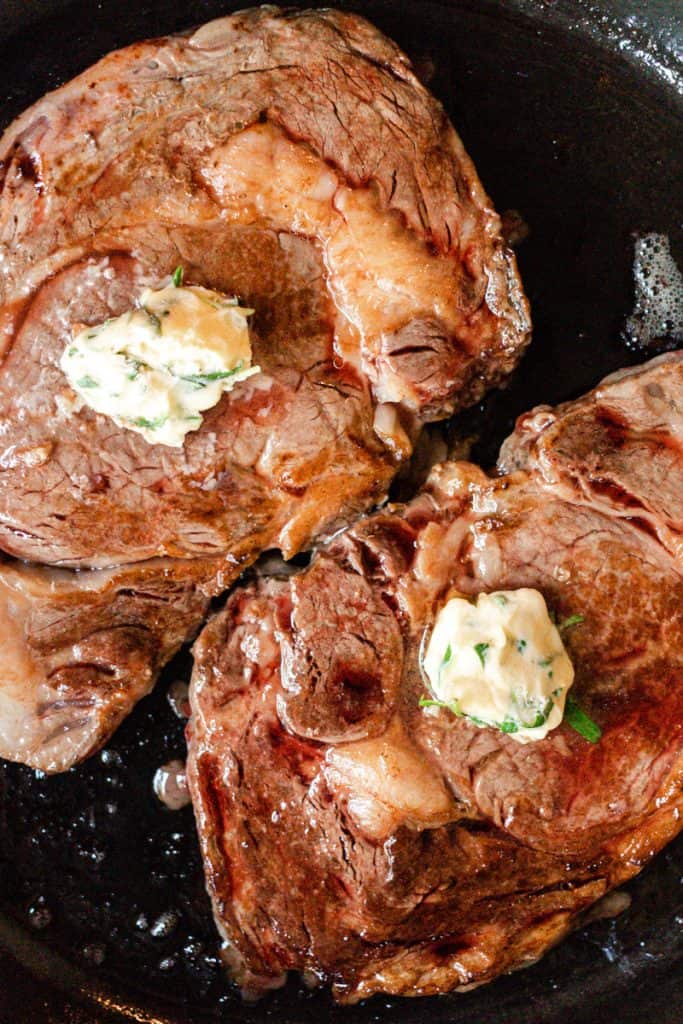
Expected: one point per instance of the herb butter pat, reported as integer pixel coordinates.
(500, 662)
(155, 369)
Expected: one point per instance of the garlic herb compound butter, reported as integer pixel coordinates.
(155, 369)
(500, 662)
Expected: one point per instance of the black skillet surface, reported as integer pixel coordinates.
(573, 114)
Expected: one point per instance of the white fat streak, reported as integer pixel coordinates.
(388, 783)
(379, 274)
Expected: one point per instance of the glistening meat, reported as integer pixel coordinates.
(266, 153)
(79, 649)
(351, 834)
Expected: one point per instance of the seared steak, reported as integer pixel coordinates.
(80, 649)
(266, 153)
(384, 847)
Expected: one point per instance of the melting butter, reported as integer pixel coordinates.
(156, 368)
(500, 662)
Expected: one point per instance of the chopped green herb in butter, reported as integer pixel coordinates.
(490, 661)
(156, 368)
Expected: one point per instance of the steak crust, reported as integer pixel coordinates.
(384, 847)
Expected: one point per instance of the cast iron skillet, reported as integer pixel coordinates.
(573, 114)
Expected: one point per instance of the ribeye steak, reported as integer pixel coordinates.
(268, 154)
(384, 847)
